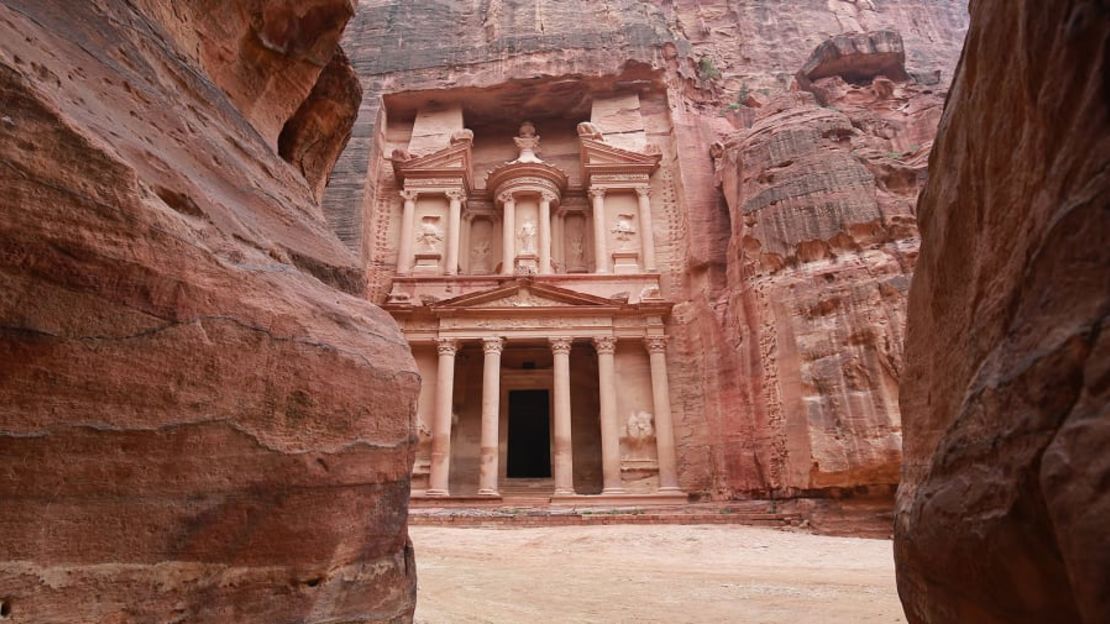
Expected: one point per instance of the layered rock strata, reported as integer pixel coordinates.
(201, 419)
(1002, 508)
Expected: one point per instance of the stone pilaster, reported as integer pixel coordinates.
(647, 236)
(664, 424)
(453, 229)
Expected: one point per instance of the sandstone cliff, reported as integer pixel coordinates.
(1002, 512)
(201, 419)
(791, 277)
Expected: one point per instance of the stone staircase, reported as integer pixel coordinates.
(533, 511)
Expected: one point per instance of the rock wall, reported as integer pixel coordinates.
(201, 419)
(1004, 498)
(784, 364)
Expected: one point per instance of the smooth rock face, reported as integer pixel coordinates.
(785, 349)
(1002, 511)
(201, 419)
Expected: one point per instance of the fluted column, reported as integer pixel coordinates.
(664, 425)
(408, 224)
(508, 233)
(545, 232)
(564, 458)
(491, 399)
(610, 431)
(454, 214)
(441, 424)
(601, 253)
(647, 236)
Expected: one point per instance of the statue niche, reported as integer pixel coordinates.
(481, 247)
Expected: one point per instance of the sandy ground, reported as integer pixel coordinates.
(672, 574)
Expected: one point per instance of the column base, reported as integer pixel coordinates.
(671, 490)
(490, 493)
(612, 490)
(565, 492)
(436, 493)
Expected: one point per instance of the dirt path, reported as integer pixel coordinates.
(646, 574)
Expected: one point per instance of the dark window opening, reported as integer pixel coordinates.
(529, 435)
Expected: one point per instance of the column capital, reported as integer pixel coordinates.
(506, 197)
(643, 190)
(548, 196)
(493, 344)
(656, 344)
(455, 194)
(446, 346)
(596, 191)
(409, 195)
(605, 344)
(560, 344)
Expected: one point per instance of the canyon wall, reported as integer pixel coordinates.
(201, 418)
(789, 272)
(1003, 506)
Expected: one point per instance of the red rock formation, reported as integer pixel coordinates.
(1002, 512)
(785, 358)
(201, 419)
(822, 248)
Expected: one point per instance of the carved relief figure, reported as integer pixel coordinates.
(481, 248)
(527, 237)
(576, 244)
(430, 235)
(624, 230)
(639, 425)
(527, 142)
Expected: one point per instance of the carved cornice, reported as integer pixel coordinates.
(656, 344)
(493, 344)
(446, 346)
(605, 344)
(560, 344)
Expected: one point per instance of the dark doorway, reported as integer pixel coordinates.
(529, 435)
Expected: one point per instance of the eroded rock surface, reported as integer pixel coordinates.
(1004, 497)
(201, 419)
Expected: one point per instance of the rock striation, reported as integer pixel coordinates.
(1002, 508)
(201, 419)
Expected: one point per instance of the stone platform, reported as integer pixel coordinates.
(525, 512)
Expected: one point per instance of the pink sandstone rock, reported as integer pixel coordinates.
(1002, 511)
(201, 418)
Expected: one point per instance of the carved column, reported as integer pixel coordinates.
(647, 236)
(664, 425)
(441, 424)
(491, 398)
(453, 219)
(408, 224)
(564, 458)
(508, 233)
(601, 253)
(545, 232)
(610, 430)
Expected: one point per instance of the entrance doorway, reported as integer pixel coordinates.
(529, 435)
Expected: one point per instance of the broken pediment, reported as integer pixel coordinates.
(451, 162)
(599, 157)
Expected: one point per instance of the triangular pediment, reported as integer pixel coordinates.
(525, 293)
(596, 152)
(453, 160)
